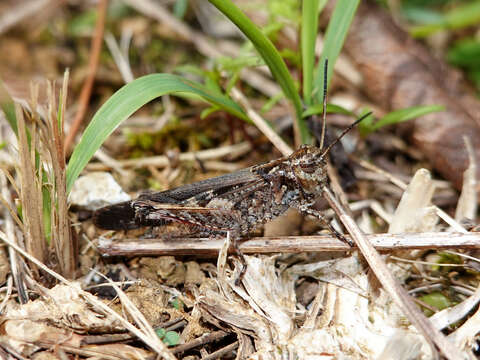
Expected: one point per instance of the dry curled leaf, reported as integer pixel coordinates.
(65, 307)
(400, 73)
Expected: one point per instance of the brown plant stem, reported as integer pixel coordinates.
(92, 70)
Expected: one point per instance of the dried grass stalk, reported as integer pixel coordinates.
(42, 189)
(61, 235)
(30, 194)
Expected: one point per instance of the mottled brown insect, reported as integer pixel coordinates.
(236, 202)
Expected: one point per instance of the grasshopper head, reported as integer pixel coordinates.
(310, 169)
(310, 165)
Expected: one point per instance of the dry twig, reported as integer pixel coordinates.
(288, 244)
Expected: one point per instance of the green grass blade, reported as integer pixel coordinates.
(7, 105)
(308, 36)
(460, 16)
(129, 99)
(331, 109)
(398, 116)
(270, 55)
(334, 38)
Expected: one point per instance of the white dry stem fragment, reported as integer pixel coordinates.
(340, 272)
(222, 277)
(380, 211)
(110, 162)
(467, 203)
(402, 346)
(414, 212)
(451, 315)
(120, 58)
(213, 22)
(441, 214)
(365, 223)
(274, 295)
(465, 336)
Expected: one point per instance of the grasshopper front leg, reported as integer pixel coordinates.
(317, 214)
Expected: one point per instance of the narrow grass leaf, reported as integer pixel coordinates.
(308, 37)
(331, 108)
(129, 99)
(8, 107)
(336, 33)
(398, 116)
(269, 54)
(458, 17)
(465, 53)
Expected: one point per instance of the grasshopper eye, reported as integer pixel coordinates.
(308, 168)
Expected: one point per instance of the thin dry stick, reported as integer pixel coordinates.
(261, 124)
(393, 288)
(109, 162)
(114, 338)
(219, 353)
(162, 160)
(287, 244)
(8, 293)
(15, 262)
(137, 316)
(202, 340)
(92, 70)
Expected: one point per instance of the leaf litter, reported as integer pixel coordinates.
(349, 316)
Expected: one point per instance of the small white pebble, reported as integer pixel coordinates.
(95, 190)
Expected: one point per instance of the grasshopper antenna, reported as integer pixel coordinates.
(324, 115)
(350, 127)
